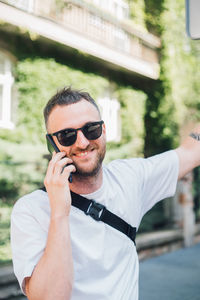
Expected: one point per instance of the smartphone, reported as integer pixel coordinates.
(51, 145)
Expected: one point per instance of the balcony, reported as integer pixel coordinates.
(88, 28)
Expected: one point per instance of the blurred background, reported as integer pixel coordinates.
(135, 60)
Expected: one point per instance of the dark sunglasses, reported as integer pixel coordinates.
(68, 136)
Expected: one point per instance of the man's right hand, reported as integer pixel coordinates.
(42, 284)
(57, 186)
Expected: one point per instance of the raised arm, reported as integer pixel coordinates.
(52, 278)
(189, 152)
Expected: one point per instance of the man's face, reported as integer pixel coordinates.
(87, 155)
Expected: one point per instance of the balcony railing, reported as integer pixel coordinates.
(101, 27)
(104, 28)
(26, 5)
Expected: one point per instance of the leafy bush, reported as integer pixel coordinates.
(22, 168)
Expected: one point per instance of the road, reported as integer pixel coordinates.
(172, 276)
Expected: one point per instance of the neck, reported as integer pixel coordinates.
(86, 185)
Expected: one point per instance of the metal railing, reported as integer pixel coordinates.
(98, 25)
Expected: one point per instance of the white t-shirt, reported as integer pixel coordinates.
(105, 260)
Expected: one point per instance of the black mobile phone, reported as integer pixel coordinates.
(51, 145)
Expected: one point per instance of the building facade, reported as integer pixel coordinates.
(101, 30)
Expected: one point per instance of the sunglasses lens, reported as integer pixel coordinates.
(92, 131)
(67, 137)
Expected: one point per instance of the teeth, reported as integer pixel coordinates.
(82, 154)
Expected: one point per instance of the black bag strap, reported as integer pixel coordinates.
(100, 213)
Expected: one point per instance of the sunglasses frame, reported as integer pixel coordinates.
(75, 129)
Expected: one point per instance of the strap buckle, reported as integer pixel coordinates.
(95, 210)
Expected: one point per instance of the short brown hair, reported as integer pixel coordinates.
(67, 96)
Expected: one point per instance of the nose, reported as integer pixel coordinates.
(81, 142)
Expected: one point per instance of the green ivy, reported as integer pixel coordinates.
(180, 64)
(132, 115)
(174, 100)
(22, 169)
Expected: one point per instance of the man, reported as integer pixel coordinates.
(58, 251)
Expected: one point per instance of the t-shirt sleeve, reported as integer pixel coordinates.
(28, 241)
(159, 179)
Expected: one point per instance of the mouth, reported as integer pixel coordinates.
(83, 154)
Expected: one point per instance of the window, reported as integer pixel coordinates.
(6, 83)
(110, 109)
(97, 21)
(119, 8)
(26, 5)
(121, 39)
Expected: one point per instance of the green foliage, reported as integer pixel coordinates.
(175, 98)
(180, 64)
(5, 249)
(120, 151)
(154, 219)
(160, 124)
(153, 12)
(22, 168)
(132, 122)
(137, 13)
(132, 115)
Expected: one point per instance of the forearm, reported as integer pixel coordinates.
(189, 153)
(53, 276)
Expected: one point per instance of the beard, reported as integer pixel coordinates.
(93, 170)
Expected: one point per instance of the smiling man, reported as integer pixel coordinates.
(87, 155)
(64, 250)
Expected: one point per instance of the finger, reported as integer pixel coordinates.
(67, 171)
(51, 166)
(70, 168)
(59, 166)
(53, 153)
(62, 172)
(56, 157)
